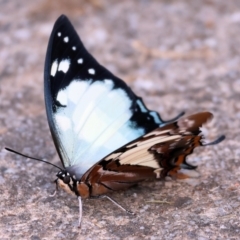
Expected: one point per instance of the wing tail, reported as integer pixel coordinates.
(172, 155)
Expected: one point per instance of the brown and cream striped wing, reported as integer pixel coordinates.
(159, 153)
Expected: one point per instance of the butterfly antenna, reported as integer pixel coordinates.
(37, 159)
(218, 140)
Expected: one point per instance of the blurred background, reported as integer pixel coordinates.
(178, 55)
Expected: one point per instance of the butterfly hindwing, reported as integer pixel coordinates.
(90, 111)
(165, 141)
(159, 153)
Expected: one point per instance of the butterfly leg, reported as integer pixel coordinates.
(80, 211)
(116, 203)
(54, 194)
(56, 190)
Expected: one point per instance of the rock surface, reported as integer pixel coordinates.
(178, 55)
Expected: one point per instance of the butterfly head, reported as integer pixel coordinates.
(66, 181)
(70, 184)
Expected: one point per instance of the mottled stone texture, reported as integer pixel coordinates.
(178, 55)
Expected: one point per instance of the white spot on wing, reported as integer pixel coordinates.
(91, 71)
(66, 39)
(59, 34)
(64, 65)
(54, 68)
(62, 97)
(80, 61)
(74, 48)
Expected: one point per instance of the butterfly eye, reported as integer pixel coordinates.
(66, 179)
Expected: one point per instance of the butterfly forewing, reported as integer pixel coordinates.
(90, 111)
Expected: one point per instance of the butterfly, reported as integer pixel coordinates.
(105, 136)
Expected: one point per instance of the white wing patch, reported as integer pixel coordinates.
(64, 65)
(62, 97)
(99, 122)
(76, 89)
(142, 107)
(155, 117)
(64, 123)
(54, 68)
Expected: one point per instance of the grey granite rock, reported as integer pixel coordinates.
(178, 55)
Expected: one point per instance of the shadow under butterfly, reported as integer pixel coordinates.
(105, 136)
